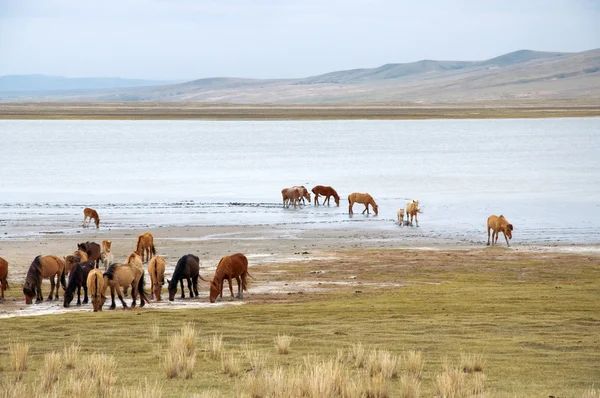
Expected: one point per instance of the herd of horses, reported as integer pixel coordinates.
(81, 270)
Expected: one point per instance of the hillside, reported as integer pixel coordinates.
(521, 75)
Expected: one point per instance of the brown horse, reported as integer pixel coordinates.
(188, 267)
(95, 281)
(304, 194)
(43, 267)
(156, 269)
(499, 224)
(92, 249)
(326, 191)
(234, 266)
(89, 213)
(3, 276)
(145, 246)
(135, 260)
(121, 275)
(412, 211)
(291, 196)
(363, 198)
(72, 260)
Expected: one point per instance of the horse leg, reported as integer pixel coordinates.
(506, 238)
(121, 296)
(195, 285)
(78, 295)
(85, 294)
(113, 305)
(52, 289)
(189, 281)
(488, 236)
(366, 209)
(350, 207)
(83, 224)
(182, 292)
(240, 294)
(417, 219)
(230, 286)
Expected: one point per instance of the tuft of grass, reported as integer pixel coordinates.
(155, 330)
(189, 339)
(257, 359)
(471, 363)
(51, 370)
(282, 343)
(413, 364)
(450, 383)
(591, 393)
(171, 365)
(102, 369)
(180, 357)
(376, 387)
(214, 346)
(356, 355)
(143, 389)
(70, 356)
(410, 386)
(230, 364)
(478, 386)
(18, 353)
(321, 379)
(384, 363)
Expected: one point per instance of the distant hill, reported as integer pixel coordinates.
(52, 83)
(518, 75)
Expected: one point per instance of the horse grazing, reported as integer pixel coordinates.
(499, 224)
(188, 267)
(234, 266)
(72, 260)
(43, 267)
(77, 280)
(363, 198)
(88, 214)
(291, 196)
(326, 191)
(92, 249)
(145, 246)
(304, 194)
(3, 276)
(412, 210)
(94, 282)
(156, 269)
(400, 214)
(121, 275)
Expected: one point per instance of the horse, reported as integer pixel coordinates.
(121, 275)
(106, 245)
(3, 276)
(145, 246)
(72, 260)
(188, 267)
(499, 224)
(92, 249)
(77, 280)
(363, 198)
(291, 195)
(90, 213)
(135, 260)
(234, 266)
(304, 194)
(43, 267)
(400, 214)
(107, 259)
(156, 269)
(95, 282)
(412, 209)
(326, 191)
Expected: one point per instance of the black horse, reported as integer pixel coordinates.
(77, 280)
(188, 267)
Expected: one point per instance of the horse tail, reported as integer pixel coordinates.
(5, 284)
(141, 291)
(63, 279)
(153, 250)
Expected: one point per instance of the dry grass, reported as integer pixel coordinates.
(70, 356)
(356, 355)
(322, 378)
(382, 362)
(102, 369)
(282, 344)
(375, 387)
(180, 357)
(478, 384)
(214, 346)
(450, 383)
(471, 363)
(591, 393)
(155, 330)
(207, 394)
(18, 353)
(145, 389)
(231, 364)
(413, 364)
(410, 386)
(257, 359)
(51, 370)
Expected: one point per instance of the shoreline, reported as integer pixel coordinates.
(212, 111)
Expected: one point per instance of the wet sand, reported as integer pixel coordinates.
(267, 247)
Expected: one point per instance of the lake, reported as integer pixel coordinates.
(542, 174)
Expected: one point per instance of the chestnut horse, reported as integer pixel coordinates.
(43, 267)
(412, 211)
(326, 191)
(188, 267)
(90, 213)
(291, 196)
(304, 194)
(499, 224)
(77, 280)
(3, 276)
(92, 249)
(145, 246)
(72, 260)
(156, 269)
(234, 266)
(95, 281)
(121, 275)
(363, 198)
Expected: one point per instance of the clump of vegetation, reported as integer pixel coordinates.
(180, 357)
(18, 356)
(215, 346)
(282, 343)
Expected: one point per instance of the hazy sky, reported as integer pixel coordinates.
(189, 39)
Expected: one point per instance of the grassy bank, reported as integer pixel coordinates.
(535, 320)
(174, 111)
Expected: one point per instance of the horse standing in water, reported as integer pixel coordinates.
(77, 280)
(43, 267)
(497, 225)
(326, 191)
(89, 213)
(291, 196)
(234, 266)
(156, 269)
(188, 267)
(145, 246)
(3, 276)
(363, 198)
(412, 211)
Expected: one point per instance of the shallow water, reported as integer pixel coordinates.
(542, 174)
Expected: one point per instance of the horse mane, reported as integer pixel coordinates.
(33, 276)
(110, 272)
(131, 257)
(137, 246)
(220, 272)
(335, 194)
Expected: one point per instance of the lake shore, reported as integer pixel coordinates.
(215, 111)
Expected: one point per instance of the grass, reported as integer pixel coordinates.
(282, 344)
(534, 321)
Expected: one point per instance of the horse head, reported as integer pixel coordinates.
(172, 288)
(82, 247)
(337, 200)
(375, 207)
(68, 298)
(509, 229)
(29, 292)
(97, 220)
(215, 289)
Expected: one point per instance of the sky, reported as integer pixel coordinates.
(192, 39)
